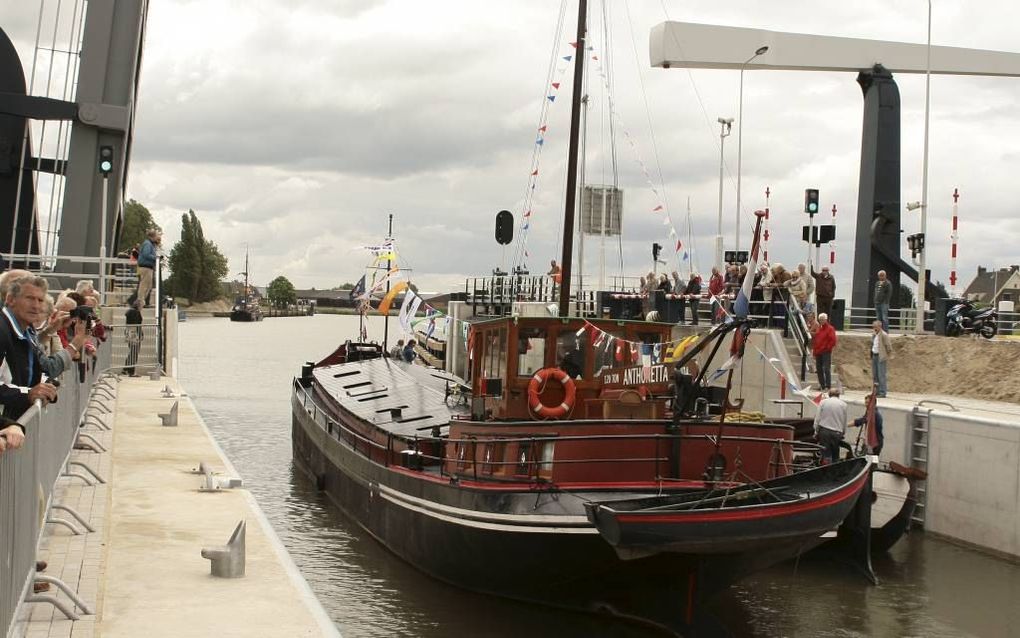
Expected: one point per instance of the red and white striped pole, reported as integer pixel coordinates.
(832, 244)
(955, 236)
(765, 245)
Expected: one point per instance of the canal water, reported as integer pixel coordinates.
(239, 377)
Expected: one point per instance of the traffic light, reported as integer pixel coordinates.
(504, 227)
(811, 201)
(656, 249)
(105, 160)
(916, 244)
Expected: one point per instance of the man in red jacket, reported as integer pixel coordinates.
(821, 347)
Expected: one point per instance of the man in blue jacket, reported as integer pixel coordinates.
(147, 257)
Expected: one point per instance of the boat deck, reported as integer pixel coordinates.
(401, 398)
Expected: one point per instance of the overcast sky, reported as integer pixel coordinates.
(296, 126)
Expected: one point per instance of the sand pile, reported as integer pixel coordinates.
(965, 367)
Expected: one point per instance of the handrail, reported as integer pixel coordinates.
(801, 333)
(366, 445)
(28, 476)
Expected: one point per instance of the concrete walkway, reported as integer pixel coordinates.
(142, 569)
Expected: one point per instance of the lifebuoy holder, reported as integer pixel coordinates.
(541, 410)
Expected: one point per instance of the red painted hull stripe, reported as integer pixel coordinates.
(736, 515)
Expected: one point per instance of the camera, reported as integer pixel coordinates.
(85, 314)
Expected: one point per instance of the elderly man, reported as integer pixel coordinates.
(822, 344)
(881, 352)
(825, 289)
(20, 366)
(809, 281)
(883, 297)
(147, 257)
(830, 425)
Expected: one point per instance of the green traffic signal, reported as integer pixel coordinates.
(811, 201)
(105, 160)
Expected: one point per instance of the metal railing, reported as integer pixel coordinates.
(28, 476)
(660, 455)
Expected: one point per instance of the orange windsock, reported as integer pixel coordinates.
(387, 301)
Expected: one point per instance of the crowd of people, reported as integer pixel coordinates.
(773, 288)
(40, 337)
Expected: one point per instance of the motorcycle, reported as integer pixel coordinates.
(964, 318)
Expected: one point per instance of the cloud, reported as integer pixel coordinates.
(298, 130)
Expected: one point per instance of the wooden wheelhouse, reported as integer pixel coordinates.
(618, 430)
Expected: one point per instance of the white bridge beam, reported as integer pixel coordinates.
(706, 46)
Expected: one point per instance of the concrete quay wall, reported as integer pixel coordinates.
(973, 487)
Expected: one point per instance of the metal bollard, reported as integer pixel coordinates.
(227, 561)
(170, 418)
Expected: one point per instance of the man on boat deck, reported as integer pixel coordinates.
(397, 351)
(830, 425)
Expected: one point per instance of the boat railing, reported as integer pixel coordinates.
(434, 450)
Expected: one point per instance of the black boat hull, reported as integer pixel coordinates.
(473, 539)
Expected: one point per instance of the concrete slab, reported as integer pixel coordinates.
(156, 583)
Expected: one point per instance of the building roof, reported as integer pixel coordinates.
(988, 283)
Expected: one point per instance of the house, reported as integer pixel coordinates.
(993, 286)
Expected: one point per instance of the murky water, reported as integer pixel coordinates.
(239, 377)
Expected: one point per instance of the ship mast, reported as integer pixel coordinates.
(575, 127)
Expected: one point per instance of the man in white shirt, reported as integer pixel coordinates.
(830, 425)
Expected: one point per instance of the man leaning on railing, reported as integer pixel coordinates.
(21, 357)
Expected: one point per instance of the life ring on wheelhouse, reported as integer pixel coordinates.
(541, 410)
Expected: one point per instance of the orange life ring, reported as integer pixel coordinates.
(538, 381)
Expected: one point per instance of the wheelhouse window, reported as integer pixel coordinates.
(530, 351)
(571, 353)
(494, 358)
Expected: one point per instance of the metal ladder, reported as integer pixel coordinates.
(920, 422)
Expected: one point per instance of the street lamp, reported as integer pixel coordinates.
(726, 123)
(740, 136)
(921, 275)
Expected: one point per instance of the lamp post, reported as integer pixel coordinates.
(922, 271)
(725, 123)
(740, 136)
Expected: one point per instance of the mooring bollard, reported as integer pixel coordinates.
(227, 561)
(170, 418)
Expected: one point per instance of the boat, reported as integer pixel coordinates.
(485, 481)
(246, 306)
(794, 510)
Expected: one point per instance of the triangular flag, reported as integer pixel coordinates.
(527, 214)
(534, 172)
(568, 58)
(543, 128)
(686, 256)
(573, 44)
(556, 85)
(657, 208)
(551, 98)
(679, 245)
(540, 141)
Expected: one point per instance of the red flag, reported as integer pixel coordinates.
(573, 44)
(678, 245)
(657, 208)
(872, 428)
(542, 129)
(555, 85)
(818, 399)
(527, 214)
(535, 172)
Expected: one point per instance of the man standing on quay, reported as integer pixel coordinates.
(825, 289)
(147, 264)
(883, 296)
(822, 345)
(881, 351)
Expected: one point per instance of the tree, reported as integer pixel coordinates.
(281, 292)
(137, 221)
(196, 264)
